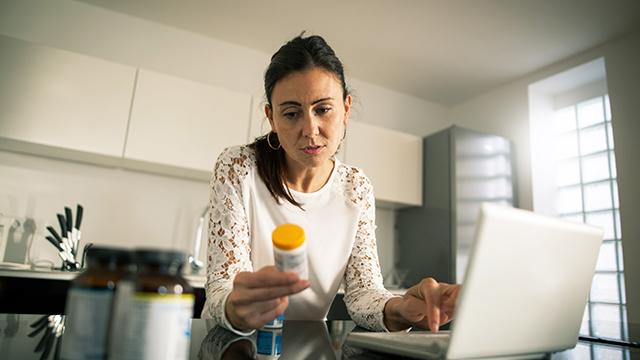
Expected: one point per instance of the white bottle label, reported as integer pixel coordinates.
(86, 324)
(292, 260)
(159, 327)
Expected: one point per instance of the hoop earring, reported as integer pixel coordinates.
(269, 142)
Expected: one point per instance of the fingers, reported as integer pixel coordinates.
(452, 295)
(267, 276)
(256, 308)
(266, 284)
(412, 309)
(430, 290)
(259, 297)
(256, 315)
(245, 296)
(268, 313)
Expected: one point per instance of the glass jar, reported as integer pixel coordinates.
(89, 303)
(158, 325)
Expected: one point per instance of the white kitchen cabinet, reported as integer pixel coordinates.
(62, 99)
(183, 123)
(392, 160)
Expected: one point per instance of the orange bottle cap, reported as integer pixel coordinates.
(287, 236)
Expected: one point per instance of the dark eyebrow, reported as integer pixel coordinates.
(298, 104)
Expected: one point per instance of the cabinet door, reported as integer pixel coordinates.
(63, 99)
(183, 123)
(391, 159)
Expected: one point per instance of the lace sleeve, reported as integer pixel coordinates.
(228, 251)
(365, 295)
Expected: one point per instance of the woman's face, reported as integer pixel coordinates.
(309, 115)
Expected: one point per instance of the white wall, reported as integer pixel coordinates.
(97, 32)
(121, 208)
(394, 110)
(505, 111)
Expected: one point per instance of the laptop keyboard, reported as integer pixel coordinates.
(423, 344)
(420, 339)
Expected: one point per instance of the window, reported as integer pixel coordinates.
(586, 191)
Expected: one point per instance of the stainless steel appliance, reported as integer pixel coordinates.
(462, 169)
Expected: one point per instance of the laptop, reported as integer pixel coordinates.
(523, 294)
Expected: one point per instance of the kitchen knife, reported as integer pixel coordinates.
(63, 225)
(50, 342)
(71, 230)
(54, 233)
(66, 235)
(43, 340)
(56, 354)
(79, 211)
(62, 241)
(40, 322)
(39, 327)
(54, 242)
(75, 231)
(69, 218)
(61, 252)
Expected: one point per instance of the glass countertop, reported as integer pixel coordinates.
(299, 340)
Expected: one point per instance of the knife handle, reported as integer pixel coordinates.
(69, 217)
(54, 242)
(54, 233)
(79, 211)
(63, 225)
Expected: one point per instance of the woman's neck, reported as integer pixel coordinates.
(306, 179)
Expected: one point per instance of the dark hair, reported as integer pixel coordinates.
(298, 54)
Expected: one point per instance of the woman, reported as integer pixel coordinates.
(291, 176)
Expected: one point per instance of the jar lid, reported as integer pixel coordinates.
(159, 257)
(287, 236)
(105, 254)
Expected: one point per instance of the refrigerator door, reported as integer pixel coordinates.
(482, 172)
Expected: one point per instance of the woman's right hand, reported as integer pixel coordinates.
(259, 297)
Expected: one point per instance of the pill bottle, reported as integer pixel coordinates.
(89, 303)
(158, 324)
(268, 344)
(289, 249)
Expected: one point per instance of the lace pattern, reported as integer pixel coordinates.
(229, 250)
(365, 295)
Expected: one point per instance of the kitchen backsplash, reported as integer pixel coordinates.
(122, 208)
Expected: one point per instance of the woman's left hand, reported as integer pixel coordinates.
(428, 305)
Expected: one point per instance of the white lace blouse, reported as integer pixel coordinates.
(339, 224)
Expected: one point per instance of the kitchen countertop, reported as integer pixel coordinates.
(299, 340)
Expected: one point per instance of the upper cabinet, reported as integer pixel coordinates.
(57, 98)
(392, 160)
(183, 123)
(67, 105)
